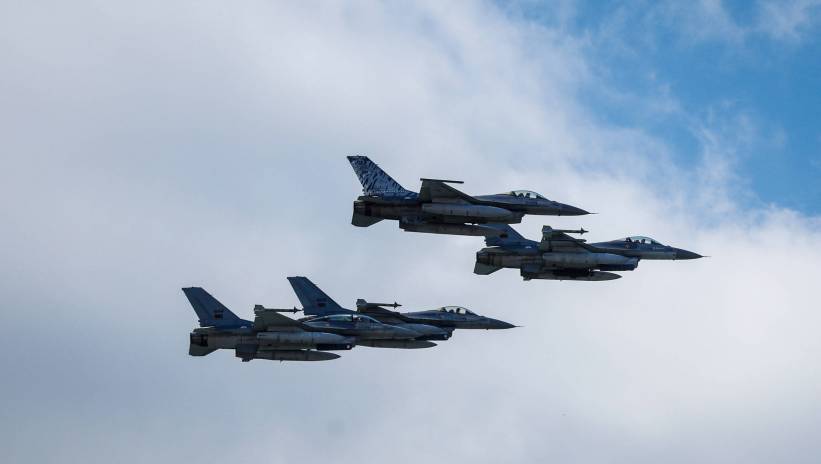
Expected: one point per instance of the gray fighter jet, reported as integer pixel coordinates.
(439, 208)
(437, 324)
(562, 257)
(446, 317)
(367, 331)
(270, 336)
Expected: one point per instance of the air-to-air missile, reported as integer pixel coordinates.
(439, 208)
(561, 257)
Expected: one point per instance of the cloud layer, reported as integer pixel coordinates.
(154, 146)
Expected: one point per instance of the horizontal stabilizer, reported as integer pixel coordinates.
(484, 269)
(196, 350)
(505, 236)
(360, 220)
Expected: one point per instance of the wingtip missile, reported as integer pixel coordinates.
(362, 304)
(447, 181)
(259, 308)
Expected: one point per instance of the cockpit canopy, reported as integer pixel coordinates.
(525, 194)
(640, 239)
(455, 310)
(345, 318)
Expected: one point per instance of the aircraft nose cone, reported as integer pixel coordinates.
(568, 210)
(497, 324)
(684, 254)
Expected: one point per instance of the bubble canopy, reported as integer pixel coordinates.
(641, 239)
(455, 310)
(524, 194)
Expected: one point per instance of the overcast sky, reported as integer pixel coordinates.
(148, 146)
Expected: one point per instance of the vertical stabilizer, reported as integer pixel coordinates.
(314, 301)
(211, 312)
(375, 181)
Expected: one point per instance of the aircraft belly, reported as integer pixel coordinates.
(447, 228)
(302, 338)
(468, 211)
(585, 260)
(397, 344)
(288, 355)
(570, 274)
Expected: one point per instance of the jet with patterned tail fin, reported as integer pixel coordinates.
(561, 257)
(439, 208)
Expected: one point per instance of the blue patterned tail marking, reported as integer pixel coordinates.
(375, 181)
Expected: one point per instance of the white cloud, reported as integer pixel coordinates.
(787, 20)
(154, 146)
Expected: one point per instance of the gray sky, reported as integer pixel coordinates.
(152, 146)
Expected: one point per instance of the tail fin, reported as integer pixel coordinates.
(375, 181)
(211, 312)
(507, 236)
(314, 301)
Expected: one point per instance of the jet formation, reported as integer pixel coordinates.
(437, 208)
(327, 327)
(441, 209)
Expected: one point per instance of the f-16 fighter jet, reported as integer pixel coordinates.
(439, 208)
(446, 317)
(562, 257)
(271, 335)
(437, 324)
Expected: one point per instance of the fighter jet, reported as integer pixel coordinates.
(436, 324)
(439, 208)
(561, 257)
(446, 317)
(322, 308)
(270, 336)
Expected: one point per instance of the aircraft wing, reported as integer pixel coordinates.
(378, 311)
(385, 315)
(436, 190)
(559, 240)
(266, 318)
